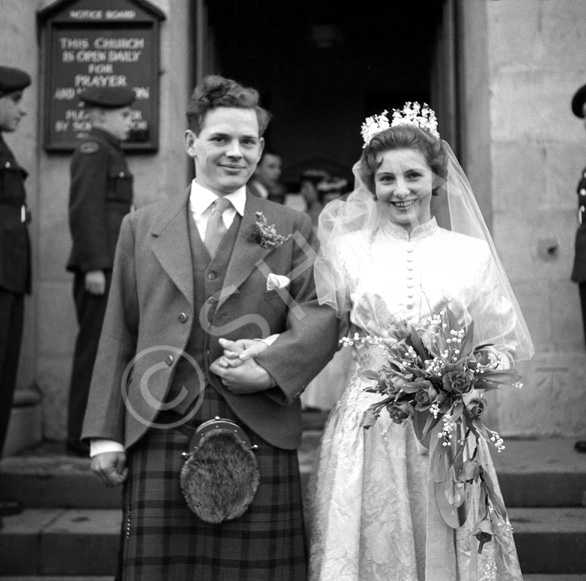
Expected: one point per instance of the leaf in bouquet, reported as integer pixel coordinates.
(423, 423)
(430, 423)
(467, 346)
(370, 375)
(454, 516)
(369, 419)
(418, 345)
(481, 428)
(469, 471)
(493, 498)
(486, 384)
(457, 409)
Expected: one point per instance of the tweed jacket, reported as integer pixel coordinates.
(151, 305)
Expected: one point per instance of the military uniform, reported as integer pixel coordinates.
(579, 269)
(100, 196)
(15, 256)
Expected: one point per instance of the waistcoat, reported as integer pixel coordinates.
(208, 281)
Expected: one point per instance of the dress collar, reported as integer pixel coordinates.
(419, 232)
(201, 198)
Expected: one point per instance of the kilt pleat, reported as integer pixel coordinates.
(163, 540)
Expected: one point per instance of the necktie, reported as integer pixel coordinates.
(215, 228)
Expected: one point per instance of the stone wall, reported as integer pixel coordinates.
(523, 61)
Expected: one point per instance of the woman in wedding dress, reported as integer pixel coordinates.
(385, 262)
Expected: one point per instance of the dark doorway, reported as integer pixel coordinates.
(323, 66)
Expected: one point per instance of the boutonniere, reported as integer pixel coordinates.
(264, 234)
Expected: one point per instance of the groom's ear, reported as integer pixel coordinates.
(190, 139)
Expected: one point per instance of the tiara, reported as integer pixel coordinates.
(411, 114)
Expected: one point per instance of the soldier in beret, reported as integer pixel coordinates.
(100, 197)
(15, 259)
(579, 270)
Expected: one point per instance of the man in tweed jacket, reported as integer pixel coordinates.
(170, 303)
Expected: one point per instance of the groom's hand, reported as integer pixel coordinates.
(237, 352)
(238, 371)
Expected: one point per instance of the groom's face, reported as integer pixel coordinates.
(227, 149)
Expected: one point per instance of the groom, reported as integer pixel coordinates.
(188, 272)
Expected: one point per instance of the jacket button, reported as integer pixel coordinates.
(212, 276)
(169, 360)
(182, 318)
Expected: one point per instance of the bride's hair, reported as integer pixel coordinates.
(403, 137)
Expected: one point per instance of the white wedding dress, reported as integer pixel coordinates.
(370, 514)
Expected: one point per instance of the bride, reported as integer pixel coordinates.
(385, 262)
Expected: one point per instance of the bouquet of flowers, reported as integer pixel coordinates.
(433, 374)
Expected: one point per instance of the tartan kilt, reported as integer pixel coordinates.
(163, 540)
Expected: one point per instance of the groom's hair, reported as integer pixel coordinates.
(215, 91)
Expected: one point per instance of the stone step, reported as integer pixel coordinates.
(550, 540)
(45, 542)
(60, 542)
(47, 477)
(532, 473)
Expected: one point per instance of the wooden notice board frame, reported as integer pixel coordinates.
(98, 43)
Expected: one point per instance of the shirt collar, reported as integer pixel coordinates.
(201, 198)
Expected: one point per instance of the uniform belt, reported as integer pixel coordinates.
(25, 215)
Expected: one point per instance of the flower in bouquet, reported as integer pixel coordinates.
(434, 373)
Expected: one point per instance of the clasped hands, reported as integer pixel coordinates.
(238, 370)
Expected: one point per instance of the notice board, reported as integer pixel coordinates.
(100, 43)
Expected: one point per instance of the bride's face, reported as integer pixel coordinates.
(403, 186)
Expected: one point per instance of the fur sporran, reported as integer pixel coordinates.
(220, 476)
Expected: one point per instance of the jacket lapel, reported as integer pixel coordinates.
(172, 247)
(246, 253)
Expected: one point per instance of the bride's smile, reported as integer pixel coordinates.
(403, 183)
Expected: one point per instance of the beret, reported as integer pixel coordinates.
(12, 80)
(578, 101)
(108, 97)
